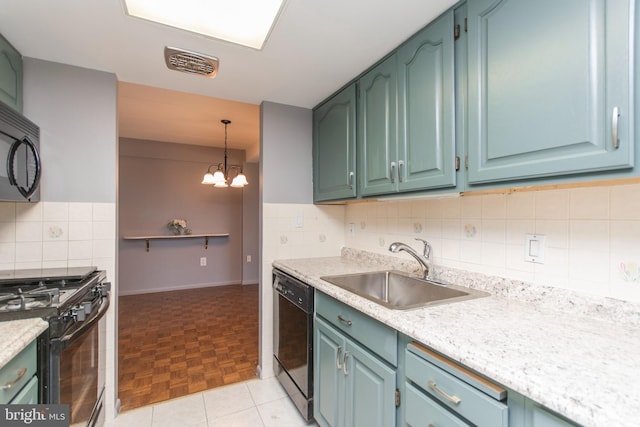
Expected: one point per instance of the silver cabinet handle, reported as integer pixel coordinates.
(614, 127)
(350, 179)
(392, 171)
(344, 321)
(344, 363)
(453, 399)
(400, 170)
(21, 373)
(338, 365)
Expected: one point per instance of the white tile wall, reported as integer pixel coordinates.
(55, 234)
(592, 235)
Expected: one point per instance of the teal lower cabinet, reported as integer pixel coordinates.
(353, 386)
(442, 393)
(18, 377)
(366, 374)
(524, 412)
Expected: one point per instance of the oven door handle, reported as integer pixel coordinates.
(87, 324)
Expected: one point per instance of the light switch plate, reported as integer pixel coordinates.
(534, 248)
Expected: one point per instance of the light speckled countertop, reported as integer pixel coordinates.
(581, 365)
(15, 335)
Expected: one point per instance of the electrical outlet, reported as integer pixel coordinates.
(248, 258)
(203, 261)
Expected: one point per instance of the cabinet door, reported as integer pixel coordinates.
(328, 386)
(334, 147)
(545, 80)
(370, 390)
(537, 416)
(377, 156)
(426, 103)
(10, 75)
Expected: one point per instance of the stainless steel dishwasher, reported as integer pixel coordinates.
(293, 339)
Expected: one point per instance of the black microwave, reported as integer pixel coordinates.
(20, 153)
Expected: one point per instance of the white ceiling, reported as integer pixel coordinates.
(315, 47)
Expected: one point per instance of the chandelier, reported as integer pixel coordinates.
(220, 178)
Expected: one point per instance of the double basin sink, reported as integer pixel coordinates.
(401, 291)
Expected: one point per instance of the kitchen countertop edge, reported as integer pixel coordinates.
(16, 335)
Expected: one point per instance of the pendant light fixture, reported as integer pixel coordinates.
(220, 178)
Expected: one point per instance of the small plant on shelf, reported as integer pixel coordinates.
(178, 226)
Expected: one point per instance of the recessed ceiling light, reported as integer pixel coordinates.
(244, 22)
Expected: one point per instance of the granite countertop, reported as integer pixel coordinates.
(16, 335)
(582, 365)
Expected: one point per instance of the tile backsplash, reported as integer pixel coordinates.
(57, 234)
(591, 235)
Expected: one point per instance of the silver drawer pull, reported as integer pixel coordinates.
(344, 321)
(453, 399)
(10, 384)
(338, 353)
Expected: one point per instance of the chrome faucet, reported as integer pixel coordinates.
(424, 260)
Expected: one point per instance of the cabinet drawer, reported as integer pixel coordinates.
(422, 411)
(15, 374)
(378, 337)
(472, 404)
(28, 395)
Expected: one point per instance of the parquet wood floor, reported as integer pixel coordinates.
(171, 344)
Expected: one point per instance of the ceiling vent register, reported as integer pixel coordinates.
(191, 62)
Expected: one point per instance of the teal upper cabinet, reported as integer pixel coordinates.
(377, 155)
(426, 105)
(10, 75)
(549, 88)
(334, 147)
(412, 148)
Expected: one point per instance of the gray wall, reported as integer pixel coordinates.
(285, 151)
(76, 110)
(250, 224)
(159, 181)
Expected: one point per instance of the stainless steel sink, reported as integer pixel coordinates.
(401, 291)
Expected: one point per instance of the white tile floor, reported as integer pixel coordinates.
(255, 403)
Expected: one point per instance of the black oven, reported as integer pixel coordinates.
(72, 351)
(293, 340)
(20, 166)
(77, 356)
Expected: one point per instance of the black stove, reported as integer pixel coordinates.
(72, 351)
(40, 292)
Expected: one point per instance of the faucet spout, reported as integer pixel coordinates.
(423, 260)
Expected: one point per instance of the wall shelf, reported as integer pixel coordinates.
(179, 236)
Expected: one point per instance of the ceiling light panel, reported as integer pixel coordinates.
(244, 22)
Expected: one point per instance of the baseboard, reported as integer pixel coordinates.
(176, 288)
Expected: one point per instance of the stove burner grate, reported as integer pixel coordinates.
(23, 303)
